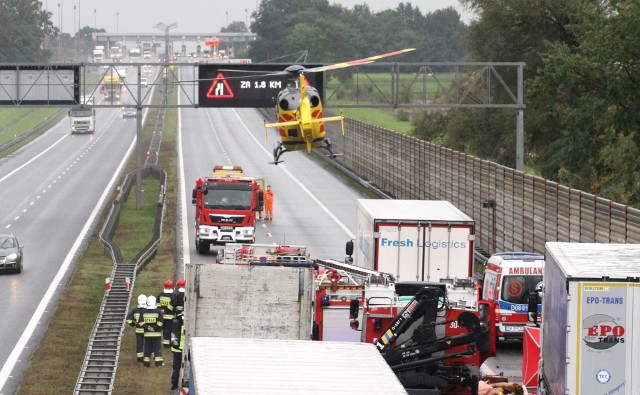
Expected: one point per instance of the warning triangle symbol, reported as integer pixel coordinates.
(220, 89)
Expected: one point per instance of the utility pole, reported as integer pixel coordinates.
(75, 35)
(60, 33)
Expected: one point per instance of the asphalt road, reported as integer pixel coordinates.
(312, 206)
(52, 189)
(51, 192)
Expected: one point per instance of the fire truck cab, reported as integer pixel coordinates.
(509, 279)
(225, 204)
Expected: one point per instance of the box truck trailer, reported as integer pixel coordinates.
(590, 339)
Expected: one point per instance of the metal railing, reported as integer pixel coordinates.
(98, 372)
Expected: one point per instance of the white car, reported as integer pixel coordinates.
(128, 112)
(143, 81)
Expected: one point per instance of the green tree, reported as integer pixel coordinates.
(289, 26)
(512, 31)
(274, 21)
(594, 87)
(235, 27)
(326, 40)
(24, 28)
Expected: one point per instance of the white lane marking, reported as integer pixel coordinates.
(288, 173)
(186, 258)
(41, 309)
(34, 158)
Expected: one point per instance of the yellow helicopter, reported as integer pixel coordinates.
(300, 118)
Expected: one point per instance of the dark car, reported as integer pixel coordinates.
(10, 253)
(128, 112)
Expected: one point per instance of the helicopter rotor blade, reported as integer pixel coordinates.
(356, 62)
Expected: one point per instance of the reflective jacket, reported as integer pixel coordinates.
(153, 320)
(166, 303)
(177, 334)
(179, 302)
(134, 319)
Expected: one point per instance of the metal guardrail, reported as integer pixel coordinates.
(98, 372)
(35, 130)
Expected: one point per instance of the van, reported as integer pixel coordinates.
(509, 279)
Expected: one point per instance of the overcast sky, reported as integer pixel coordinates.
(191, 16)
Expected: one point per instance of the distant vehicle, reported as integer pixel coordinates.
(116, 54)
(128, 112)
(146, 69)
(134, 54)
(83, 119)
(146, 50)
(111, 87)
(98, 53)
(122, 72)
(143, 81)
(192, 54)
(87, 99)
(10, 253)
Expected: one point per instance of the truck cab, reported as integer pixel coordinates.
(82, 119)
(509, 280)
(226, 203)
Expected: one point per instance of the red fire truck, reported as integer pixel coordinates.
(226, 203)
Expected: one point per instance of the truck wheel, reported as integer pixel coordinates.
(203, 247)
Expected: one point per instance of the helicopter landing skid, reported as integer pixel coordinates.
(277, 152)
(328, 147)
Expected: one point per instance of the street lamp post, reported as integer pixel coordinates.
(75, 35)
(117, 22)
(95, 25)
(60, 33)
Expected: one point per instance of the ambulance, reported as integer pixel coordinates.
(509, 278)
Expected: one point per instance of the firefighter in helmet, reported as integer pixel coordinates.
(166, 303)
(153, 321)
(177, 344)
(134, 319)
(179, 296)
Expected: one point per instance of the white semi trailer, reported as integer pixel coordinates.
(590, 339)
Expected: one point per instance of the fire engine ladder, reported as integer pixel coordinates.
(351, 269)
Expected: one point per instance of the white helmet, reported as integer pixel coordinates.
(151, 302)
(142, 300)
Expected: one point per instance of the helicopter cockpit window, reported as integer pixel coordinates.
(284, 104)
(314, 101)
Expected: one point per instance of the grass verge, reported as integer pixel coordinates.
(18, 121)
(57, 361)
